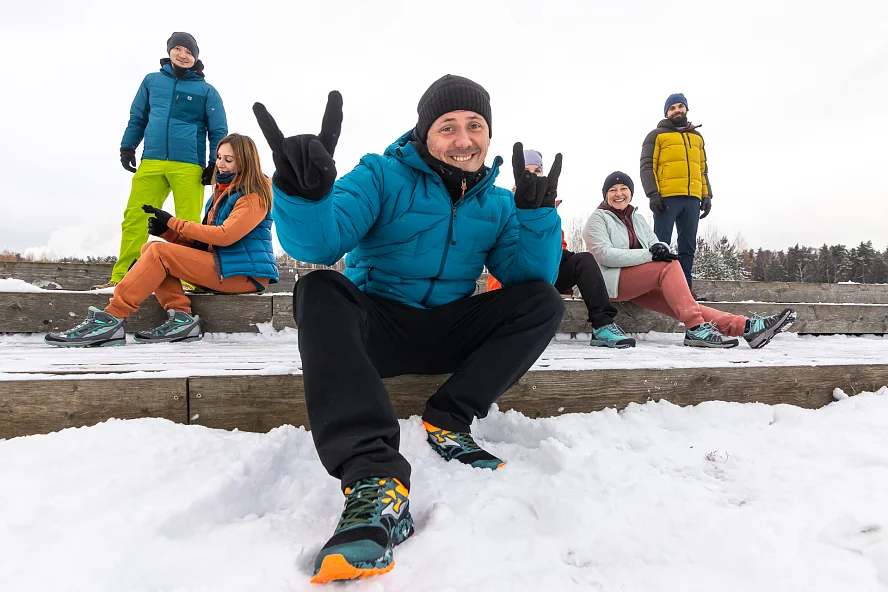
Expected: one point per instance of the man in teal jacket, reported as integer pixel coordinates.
(174, 111)
(418, 224)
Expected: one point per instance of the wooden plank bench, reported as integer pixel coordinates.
(82, 276)
(262, 402)
(43, 406)
(41, 312)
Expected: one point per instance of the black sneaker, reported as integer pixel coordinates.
(460, 446)
(180, 326)
(99, 329)
(762, 329)
(376, 517)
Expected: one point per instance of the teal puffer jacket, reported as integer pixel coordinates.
(175, 115)
(407, 241)
(251, 256)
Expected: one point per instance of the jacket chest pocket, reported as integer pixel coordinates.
(189, 107)
(477, 231)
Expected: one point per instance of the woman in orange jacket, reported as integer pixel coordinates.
(231, 251)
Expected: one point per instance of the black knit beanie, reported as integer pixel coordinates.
(617, 178)
(451, 93)
(183, 40)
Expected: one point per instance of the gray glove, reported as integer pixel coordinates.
(657, 206)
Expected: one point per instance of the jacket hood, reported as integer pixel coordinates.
(403, 150)
(195, 72)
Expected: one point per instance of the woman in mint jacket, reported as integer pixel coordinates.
(174, 111)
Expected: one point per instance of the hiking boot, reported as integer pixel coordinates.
(376, 517)
(104, 286)
(762, 329)
(180, 326)
(99, 329)
(460, 446)
(611, 336)
(707, 335)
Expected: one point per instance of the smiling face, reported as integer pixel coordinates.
(619, 196)
(677, 112)
(225, 160)
(182, 57)
(460, 139)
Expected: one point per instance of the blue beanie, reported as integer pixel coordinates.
(673, 99)
(533, 157)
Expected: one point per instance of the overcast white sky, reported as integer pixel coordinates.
(792, 95)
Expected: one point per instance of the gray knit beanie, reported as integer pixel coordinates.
(183, 40)
(451, 93)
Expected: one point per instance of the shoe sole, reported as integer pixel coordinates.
(780, 328)
(705, 345)
(337, 567)
(603, 344)
(179, 340)
(112, 343)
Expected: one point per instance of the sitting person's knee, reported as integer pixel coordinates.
(546, 297)
(317, 284)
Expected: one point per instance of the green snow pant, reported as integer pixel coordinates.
(151, 185)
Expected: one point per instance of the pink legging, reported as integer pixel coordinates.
(662, 287)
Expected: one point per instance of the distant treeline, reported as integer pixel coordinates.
(718, 258)
(722, 260)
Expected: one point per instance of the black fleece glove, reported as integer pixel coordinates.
(128, 158)
(531, 191)
(660, 252)
(206, 178)
(705, 206)
(304, 163)
(657, 204)
(160, 224)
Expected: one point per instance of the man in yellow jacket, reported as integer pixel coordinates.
(675, 177)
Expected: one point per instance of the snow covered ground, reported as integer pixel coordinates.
(720, 496)
(26, 356)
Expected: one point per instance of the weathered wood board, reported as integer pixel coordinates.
(43, 312)
(43, 406)
(260, 403)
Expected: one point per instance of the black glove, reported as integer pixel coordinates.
(206, 177)
(160, 224)
(657, 204)
(531, 191)
(660, 252)
(128, 158)
(705, 206)
(304, 163)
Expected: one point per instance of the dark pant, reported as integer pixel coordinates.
(683, 212)
(581, 270)
(349, 341)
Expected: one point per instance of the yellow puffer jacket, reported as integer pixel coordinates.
(674, 162)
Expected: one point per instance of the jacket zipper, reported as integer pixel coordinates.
(447, 244)
(174, 99)
(687, 160)
(216, 257)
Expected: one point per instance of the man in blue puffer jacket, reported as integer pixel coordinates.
(418, 223)
(175, 111)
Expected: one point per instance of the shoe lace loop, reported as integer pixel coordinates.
(360, 504)
(170, 323)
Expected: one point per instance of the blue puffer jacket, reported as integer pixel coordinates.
(405, 238)
(174, 116)
(253, 255)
